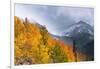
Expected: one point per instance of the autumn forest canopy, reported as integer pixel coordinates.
(33, 44)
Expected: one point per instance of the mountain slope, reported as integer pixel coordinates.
(81, 32)
(80, 27)
(83, 36)
(33, 44)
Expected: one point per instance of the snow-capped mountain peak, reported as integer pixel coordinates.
(77, 28)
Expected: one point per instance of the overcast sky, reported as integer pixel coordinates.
(55, 18)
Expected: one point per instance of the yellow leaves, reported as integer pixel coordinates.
(51, 42)
(21, 39)
(44, 54)
(18, 52)
(34, 42)
(45, 58)
(69, 51)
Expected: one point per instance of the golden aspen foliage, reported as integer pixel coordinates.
(33, 44)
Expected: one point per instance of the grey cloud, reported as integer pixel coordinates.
(56, 18)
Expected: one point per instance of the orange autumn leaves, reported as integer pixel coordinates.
(34, 45)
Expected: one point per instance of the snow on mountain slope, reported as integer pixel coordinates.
(77, 28)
